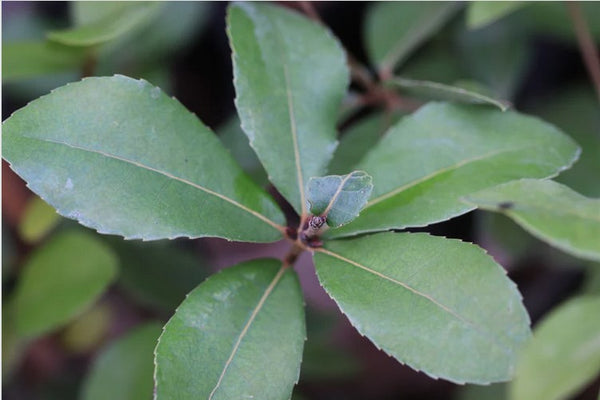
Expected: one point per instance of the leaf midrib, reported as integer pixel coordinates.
(166, 174)
(446, 309)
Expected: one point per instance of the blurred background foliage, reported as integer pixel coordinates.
(81, 312)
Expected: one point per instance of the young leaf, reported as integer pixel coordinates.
(550, 211)
(440, 91)
(564, 354)
(290, 75)
(395, 29)
(428, 161)
(110, 27)
(123, 370)
(37, 221)
(339, 198)
(239, 335)
(120, 156)
(482, 13)
(60, 280)
(441, 306)
(23, 60)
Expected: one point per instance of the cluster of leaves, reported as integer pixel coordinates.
(119, 156)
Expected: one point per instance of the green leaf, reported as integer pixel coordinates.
(440, 91)
(120, 156)
(550, 211)
(124, 369)
(109, 27)
(441, 306)
(60, 281)
(564, 354)
(482, 13)
(395, 29)
(245, 327)
(290, 75)
(339, 198)
(428, 161)
(38, 220)
(23, 60)
(87, 12)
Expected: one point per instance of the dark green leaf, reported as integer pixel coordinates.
(22, 60)
(120, 156)
(564, 354)
(395, 29)
(290, 75)
(440, 91)
(441, 306)
(482, 13)
(114, 24)
(38, 220)
(238, 335)
(61, 280)
(550, 211)
(339, 198)
(428, 161)
(123, 370)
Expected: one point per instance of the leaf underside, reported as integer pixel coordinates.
(120, 156)
(439, 305)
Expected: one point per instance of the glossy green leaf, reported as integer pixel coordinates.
(290, 75)
(109, 27)
(395, 29)
(439, 91)
(428, 161)
(339, 198)
(550, 211)
(564, 354)
(124, 369)
(120, 156)
(239, 335)
(38, 219)
(441, 306)
(482, 13)
(60, 280)
(23, 60)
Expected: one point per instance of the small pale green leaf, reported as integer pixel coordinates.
(239, 335)
(290, 75)
(441, 306)
(550, 211)
(429, 160)
(564, 354)
(87, 12)
(439, 91)
(124, 369)
(38, 219)
(61, 280)
(120, 156)
(482, 13)
(339, 197)
(110, 27)
(23, 60)
(395, 29)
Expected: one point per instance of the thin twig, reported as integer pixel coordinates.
(588, 48)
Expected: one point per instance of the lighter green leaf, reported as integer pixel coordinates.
(60, 281)
(123, 370)
(395, 29)
(339, 198)
(87, 12)
(23, 60)
(428, 161)
(439, 91)
(290, 75)
(441, 306)
(110, 27)
(564, 354)
(482, 13)
(239, 335)
(38, 219)
(550, 211)
(120, 156)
